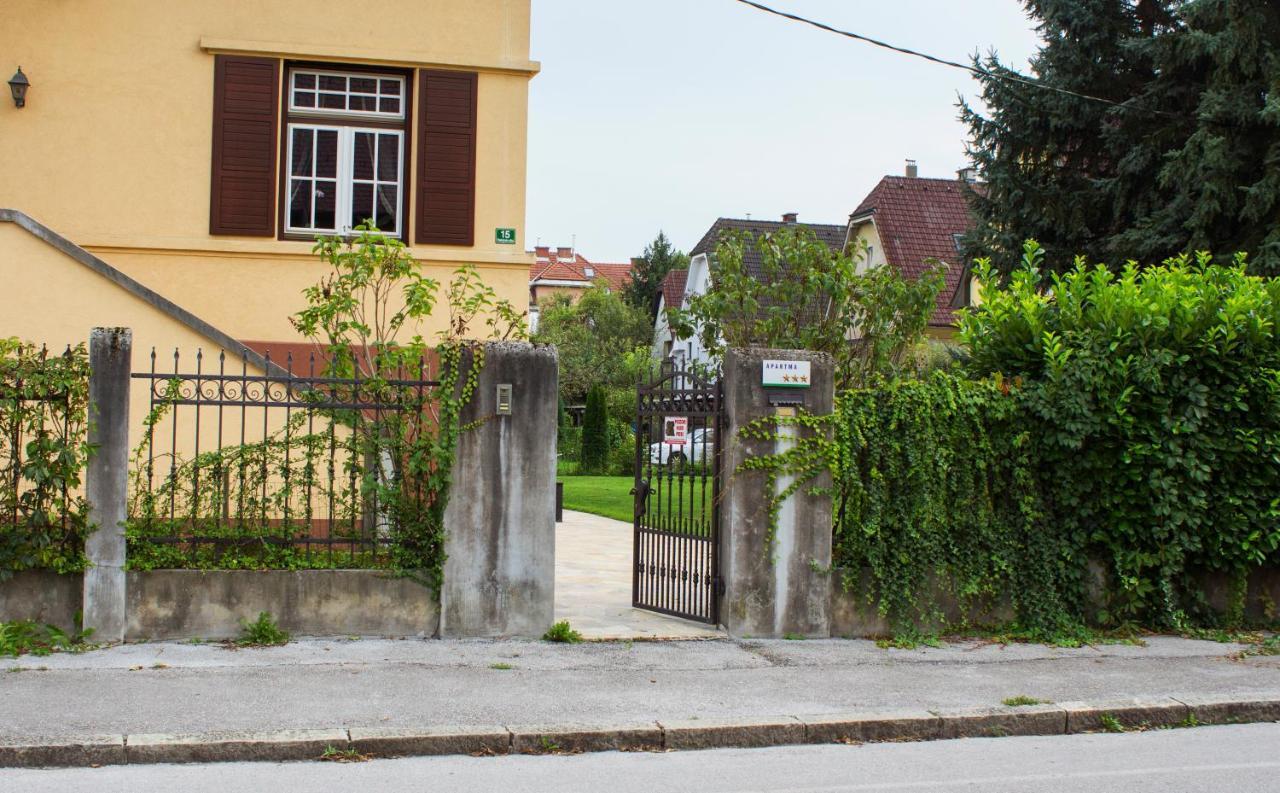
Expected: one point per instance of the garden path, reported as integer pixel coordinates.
(593, 584)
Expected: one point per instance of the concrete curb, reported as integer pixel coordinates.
(907, 725)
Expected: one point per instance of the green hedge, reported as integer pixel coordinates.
(937, 489)
(1130, 418)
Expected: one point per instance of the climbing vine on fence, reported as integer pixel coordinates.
(44, 450)
(398, 433)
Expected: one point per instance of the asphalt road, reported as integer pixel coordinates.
(1238, 758)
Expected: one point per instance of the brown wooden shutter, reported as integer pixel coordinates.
(446, 158)
(246, 96)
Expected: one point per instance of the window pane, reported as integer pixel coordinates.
(304, 99)
(388, 158)
(390, 87)
(304, 81)
(327, 153)
(389, 105)
(388, 207)
(329, 82)
(300, 204)
(364, 103)
(326, 204)
(301, 153)
(333, 101)
(361, 203)
(364, 85)
(364, 144)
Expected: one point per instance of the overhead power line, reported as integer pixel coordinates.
(976, 70)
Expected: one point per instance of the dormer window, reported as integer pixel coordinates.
(590, 272)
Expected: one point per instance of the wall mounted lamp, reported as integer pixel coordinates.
(18, 85)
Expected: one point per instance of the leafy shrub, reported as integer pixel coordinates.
(622, 457)
(262, 632)
(44, 401)
(937, 491)
(25, 636)
(562, 633)
(1154, 400)
(594, 458)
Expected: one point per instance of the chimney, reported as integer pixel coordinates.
(790, 217)
(969, 174)
(912, 170)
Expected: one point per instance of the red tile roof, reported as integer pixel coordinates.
(672, 289)
(918, 219)
(565, 264)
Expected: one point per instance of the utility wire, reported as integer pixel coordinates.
(976, 70)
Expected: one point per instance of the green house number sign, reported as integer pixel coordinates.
(504, 236)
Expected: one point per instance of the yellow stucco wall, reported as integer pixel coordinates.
(62, 301)
(113, 148)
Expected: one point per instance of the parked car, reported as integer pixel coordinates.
(698, 447)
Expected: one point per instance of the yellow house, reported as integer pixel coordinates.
(908, 222)
(197, 148)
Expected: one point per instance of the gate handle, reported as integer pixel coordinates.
(641, 492)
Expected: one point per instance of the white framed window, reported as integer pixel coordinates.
(341, 176)
(351, 94)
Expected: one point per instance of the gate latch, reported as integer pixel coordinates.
(641, 492)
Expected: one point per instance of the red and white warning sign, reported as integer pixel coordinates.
(676, 430)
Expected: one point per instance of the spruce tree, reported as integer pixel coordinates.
(1187, 159)
(660, 257)
(595, 433)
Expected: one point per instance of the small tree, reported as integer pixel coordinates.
(595, 433)
(593, 337)
(660, 257)
(806, 296)
(367, 312)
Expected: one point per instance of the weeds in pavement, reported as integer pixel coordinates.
(21, 637)
(350, 754)
(562, 632)
(262, 632)
(793, 637)
(1111, 723)
(908, 641)
(1023, 699)
(501, 666)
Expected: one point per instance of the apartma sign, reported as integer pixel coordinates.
(785, 374)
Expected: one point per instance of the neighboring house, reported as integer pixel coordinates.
(700, 263)
(670, 296)
(565, 271)
(905, 221)
(186, 155)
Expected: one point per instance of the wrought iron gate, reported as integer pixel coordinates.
(677, 496)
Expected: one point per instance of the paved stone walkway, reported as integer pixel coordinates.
(593, 584)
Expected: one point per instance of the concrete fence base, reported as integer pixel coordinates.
(499, 578)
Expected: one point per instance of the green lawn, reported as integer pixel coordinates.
(609, 496)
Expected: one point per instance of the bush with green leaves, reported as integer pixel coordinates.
(44, 450)
(1153, 396)
(937, 491)
(594, 458)
(804, 296)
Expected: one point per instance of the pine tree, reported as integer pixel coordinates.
(595, 433)
(1189, 158)
(660, 257)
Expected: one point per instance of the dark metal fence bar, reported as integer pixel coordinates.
(288, 468)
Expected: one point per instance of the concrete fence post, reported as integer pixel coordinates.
(499, 577)
(107, 481)
(779, 585)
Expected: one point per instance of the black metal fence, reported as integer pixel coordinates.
(287, 468)
(676, 544)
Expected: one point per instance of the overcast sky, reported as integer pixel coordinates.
(666, 114)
